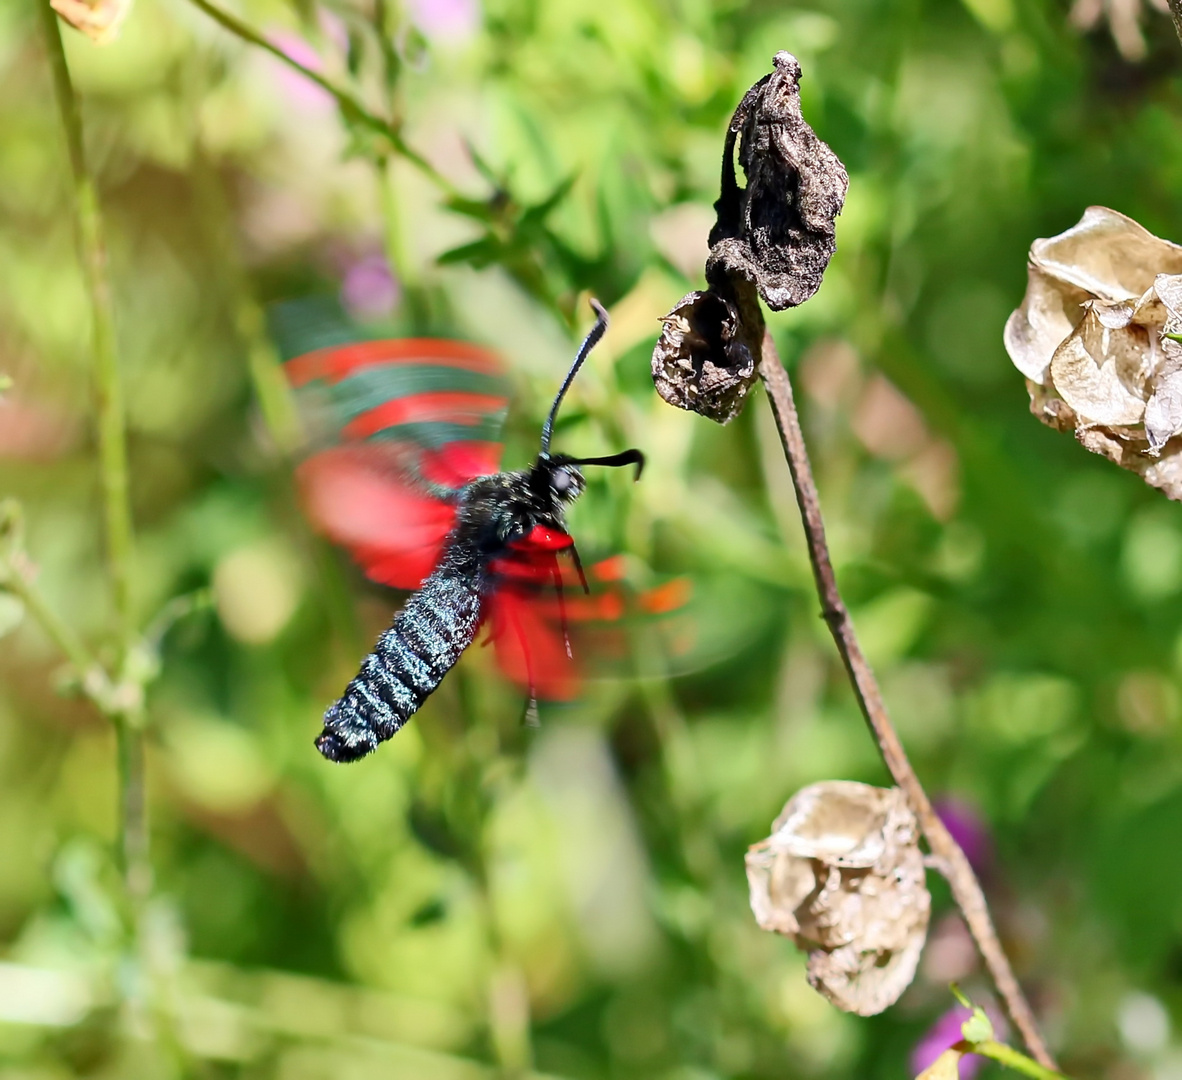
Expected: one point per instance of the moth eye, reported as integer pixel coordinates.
(561, 481)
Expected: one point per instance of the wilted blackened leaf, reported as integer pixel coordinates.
(843, 876)
(1091, 339)
(772, 239)
(99, 20)
(701, 361)
(779, 231)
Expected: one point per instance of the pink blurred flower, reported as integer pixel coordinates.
(945, 1032)
(969, 829)
(446, 20)
(301, 91)
(369, 289)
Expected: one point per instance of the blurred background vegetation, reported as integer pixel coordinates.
(479, 899)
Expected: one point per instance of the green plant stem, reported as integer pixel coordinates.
(124, 705)
(1010, 1058)
(276, 403)
(348, 102)
(272, 392)
(15, 581)
(133, 812)
(111, 430)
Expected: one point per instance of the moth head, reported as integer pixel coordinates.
(558, 477)
(566, 481)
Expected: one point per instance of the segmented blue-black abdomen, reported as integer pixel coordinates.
(408, 662)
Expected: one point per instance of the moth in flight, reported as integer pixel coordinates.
(413, 490)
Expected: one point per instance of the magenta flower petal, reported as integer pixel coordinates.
(369, 289)
(945, 1032)
(938, 1038)
(968, 829)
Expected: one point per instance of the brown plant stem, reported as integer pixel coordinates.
(966, 889)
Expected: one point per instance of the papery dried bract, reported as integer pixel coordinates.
(1089, 339)
(843, 876)
(99, 20)
(1096, 368)
(779, 232)
(700, 362)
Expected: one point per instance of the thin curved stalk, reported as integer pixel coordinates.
(124, 706)
(350, 105)
(949, 858)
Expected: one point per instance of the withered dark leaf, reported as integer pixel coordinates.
(772, 239)
(701, 362)
(779, 231)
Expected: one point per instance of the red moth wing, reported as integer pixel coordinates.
(403, 415)
(531, 645)
(533, 618)
(394, 532)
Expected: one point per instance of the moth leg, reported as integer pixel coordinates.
(529, 668)
(556, 574)
(574, 554)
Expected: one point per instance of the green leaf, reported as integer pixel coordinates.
(977, 1028)
(479, 253)
(480, 209)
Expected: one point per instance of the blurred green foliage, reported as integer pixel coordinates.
(480, 899)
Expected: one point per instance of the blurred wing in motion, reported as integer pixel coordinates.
(550, 633)
(405, 422)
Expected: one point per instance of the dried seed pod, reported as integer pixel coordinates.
(1090, 337)
(843, 876)
(778, 232)
(703, 360)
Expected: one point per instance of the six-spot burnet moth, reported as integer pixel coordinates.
(412, 489)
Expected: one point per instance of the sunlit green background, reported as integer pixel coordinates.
(481, 899)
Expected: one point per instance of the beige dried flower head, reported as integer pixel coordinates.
(99, 20)
(1090, 337)
(843, 876)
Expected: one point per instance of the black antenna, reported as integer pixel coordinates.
(589, 343)
(614, 461)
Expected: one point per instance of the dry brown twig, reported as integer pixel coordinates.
(773, 240)
(954, 865)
